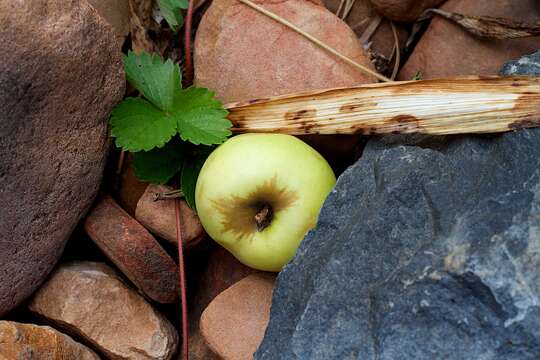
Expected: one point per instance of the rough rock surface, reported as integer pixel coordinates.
(434, 253)
(261, 57)
(133, 249)
(160, 217)
(446, 49)
(90, 300)
(27, 341)
(527, 65)
(244, 307)
(60, 75)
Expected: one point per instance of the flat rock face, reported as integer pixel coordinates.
(245, 55)
(90, 300)
(60, 75)
(243, 308)
(133, 249)
(422, 251)
(447, 50)
(27, 341)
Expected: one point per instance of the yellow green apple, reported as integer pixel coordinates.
(259, 194)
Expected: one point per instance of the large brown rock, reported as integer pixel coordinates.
(27, 341)
(133, 249)
(244, 55)
(60, 75)
(234, 323)
(91, 301)
(447, 50)
(404, 10)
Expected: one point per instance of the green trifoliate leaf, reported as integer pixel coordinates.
(138, 125)
(156, 79)
(200, 117)
(190, 172)
(172, 12)
(159, 165)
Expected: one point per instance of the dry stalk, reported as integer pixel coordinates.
(444, 106)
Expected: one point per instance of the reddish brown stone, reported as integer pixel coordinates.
(133, 249)
(160, 217)
(92, 302)
(60, 74)
(28, 341)
(448, 50)
(261, 57)
(220, 270)
(404, 10)
(234, 323)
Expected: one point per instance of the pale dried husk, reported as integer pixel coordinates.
(443, 106)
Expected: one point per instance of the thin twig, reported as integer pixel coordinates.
(370, 30)
(174, 194)
(182, 284)
(315, 40)
(398, 51)
(188, 62)
(348, 7)
(341, 3)
(119, 168)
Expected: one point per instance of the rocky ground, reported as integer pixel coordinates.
(427, 248)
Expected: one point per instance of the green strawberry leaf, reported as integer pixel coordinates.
(190, 172)
(156, 79)
(171, 11)
(200, 117)
(138, 125)
(159, 165)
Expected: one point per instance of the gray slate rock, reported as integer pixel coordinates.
(60, 75)
(423, 251)
(527, 65)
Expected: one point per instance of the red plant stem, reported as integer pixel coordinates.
(181, 270)
(188, 76)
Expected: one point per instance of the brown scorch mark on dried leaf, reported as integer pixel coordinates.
(239, 213)
(301, 114)
(522, 124)
(355, 106)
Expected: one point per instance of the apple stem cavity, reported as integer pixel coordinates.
(264, 217)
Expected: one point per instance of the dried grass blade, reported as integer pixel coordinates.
(443, 106)
(491, 27)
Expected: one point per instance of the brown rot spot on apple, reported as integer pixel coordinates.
(245, 216)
